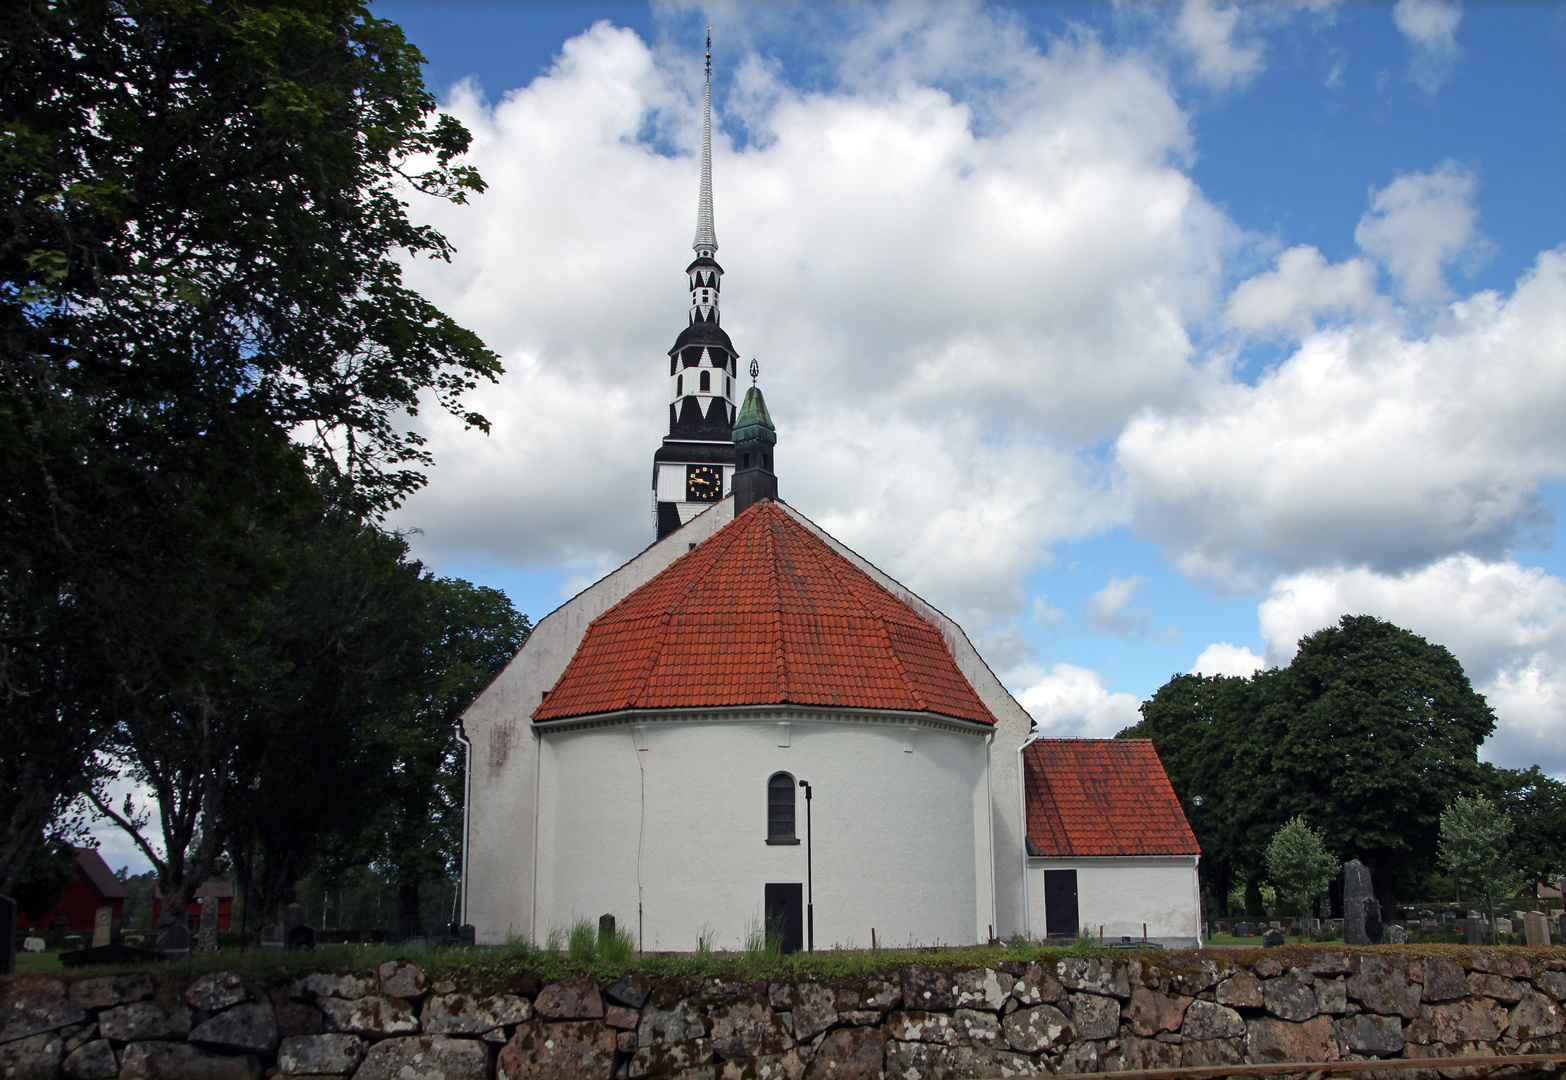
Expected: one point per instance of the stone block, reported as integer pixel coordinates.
(1498, 962)
(1330, 963)
(919, 1026)
(111, 990)
(144, 1020)
(249, 1027)
(374, 1016)
(789, 1065)
(1151, 1012)
(35, 1057)
(1209, 1020)
(1095, 1017)
(977, 1027)
(1382, 985)
(1552, 983)
(1242, 991)
(815, 1011)
(927, 988)
(1281, 1040)
(1291, 996)
(679, 1023)
(216, 991)
(1196, 1055)
(1331, 996)
(849, 1054)
(1471, 1020)
(982, 988)
(1444, 980)
(632, 990)
(1369, 1033)
(1203, 976)
(745, 1028)
(92, 1061)
(666, 1058)
(1536, 1017)
(1038, 1028)
(347, 987)
(1103, 977)
(465, 1014)
(1267, 968)
(181, 1061)
(1498, 987)
(576, 998)
(625, 1042)
(1139, 1053)
(1037, 986)
(425, 1057)
(1082, 1057)
(400, 979)
(320, 1055)
(619, 1017)
(572, 1051)
(28, 1014)
(881, 994)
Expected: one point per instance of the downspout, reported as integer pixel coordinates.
(1022, 811)
(538, 765)
(467, 803)
(1196, 868)
(989, 806)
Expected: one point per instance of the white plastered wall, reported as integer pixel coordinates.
(503, 762)
(672, 839)
(1121, 894)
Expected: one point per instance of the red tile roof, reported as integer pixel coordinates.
(762, 613)
(1101, 797)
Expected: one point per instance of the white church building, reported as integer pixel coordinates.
(749, 725)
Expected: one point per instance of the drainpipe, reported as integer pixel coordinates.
(1022, 809)
(989, 817)
(1196, 868)
(467, 802)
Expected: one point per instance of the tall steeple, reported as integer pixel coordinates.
(695, 465)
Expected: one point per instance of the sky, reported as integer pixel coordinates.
(1139, 338)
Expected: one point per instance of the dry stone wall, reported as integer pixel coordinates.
(1072, 1015)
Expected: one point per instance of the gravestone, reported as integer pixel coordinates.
(301, 937)
(206, 933)
(102, 927)
(174, 941)
(272, 937)
(1473, 928)
(293, 915)
(1398, 935)
(7, 935)
(1536, 929)
(1361, 910)
(1272, 938)
(1503, 926)
(34, 945)
(605, 926)
(467, 933)
(1244, 929)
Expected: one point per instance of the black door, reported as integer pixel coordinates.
(1060, 903)
(785, 907)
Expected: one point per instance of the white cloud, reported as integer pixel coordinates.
(1073, 701)
(1419, 223)
(1106, 611)
(1222, 658)
(1366, 446)
(1505, 623)
(1430, 27)
(1225, 39)
(952, 300)
(1302, 288)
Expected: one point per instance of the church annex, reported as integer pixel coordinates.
(749, 725)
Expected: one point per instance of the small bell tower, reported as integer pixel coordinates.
(754, 440)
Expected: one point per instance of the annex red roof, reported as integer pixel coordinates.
(762, 613)
(1101, 797)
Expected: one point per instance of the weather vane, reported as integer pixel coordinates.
(755, 369)
(709, 54)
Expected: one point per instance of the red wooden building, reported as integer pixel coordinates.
(221, 891)
(95, 887)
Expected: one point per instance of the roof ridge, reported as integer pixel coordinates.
(780, 668)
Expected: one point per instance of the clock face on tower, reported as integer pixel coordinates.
(703, 483)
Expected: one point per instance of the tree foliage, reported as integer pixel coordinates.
(201, 306)
(1476, 846)
(1299, 865)
(1371, 730)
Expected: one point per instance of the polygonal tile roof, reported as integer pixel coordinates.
(762, 613)
(1101, 797)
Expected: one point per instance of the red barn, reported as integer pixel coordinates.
(95, 887)
(221, 891)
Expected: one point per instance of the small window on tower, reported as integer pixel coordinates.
(728, 386)
(706, 382)
(679, 385)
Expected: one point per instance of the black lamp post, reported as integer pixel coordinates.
(810, 885)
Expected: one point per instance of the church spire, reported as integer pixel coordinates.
(706, 242)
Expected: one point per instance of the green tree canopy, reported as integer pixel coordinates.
(1299, 865)
(1476, 846)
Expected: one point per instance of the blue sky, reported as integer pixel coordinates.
(1139, 338)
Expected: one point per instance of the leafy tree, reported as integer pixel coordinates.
(1536, 805)
(1475, 846)
(1299, 865)
(200, 303)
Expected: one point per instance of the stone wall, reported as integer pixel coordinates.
(1074, 1015)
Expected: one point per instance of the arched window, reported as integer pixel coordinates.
(679, 386)
(780, 809)
(706, 381)
(728, 386)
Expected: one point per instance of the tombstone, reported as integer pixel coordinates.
(102, 927)
(206, 934)
(34, 945)
(1244, 929)
(1356, 891)
(1536, 929)
(1272, 938)
(174, 941)
(1398, 935)
(1374, 929)
(1473, 928)
(467, 933)
(605, 926)
(272, 937)
(301, 937)
(7, 935)
(293, 915)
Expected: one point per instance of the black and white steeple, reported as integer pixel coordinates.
(695, 465)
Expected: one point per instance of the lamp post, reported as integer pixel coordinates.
(810, 884)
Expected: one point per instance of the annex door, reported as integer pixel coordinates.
(1060, 903)
(785, 913)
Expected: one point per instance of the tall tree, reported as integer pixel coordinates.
(1476, 846)
(1299, 865)
(200, 299)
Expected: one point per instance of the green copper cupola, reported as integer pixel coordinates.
(754, 438)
